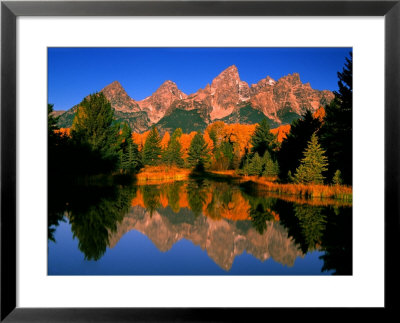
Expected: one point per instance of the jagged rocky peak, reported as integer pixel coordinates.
(229, 76)
(293, 79)
(114, 85)
(159, 102)
(279, 100)
(227, 90)
(119, 99)
(170, 88)
(264, 84)
(114, 88)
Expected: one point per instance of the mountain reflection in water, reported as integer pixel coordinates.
(224, 219)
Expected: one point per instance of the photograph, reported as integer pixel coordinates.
(200, 161)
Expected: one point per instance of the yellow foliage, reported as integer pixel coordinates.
(165, 140)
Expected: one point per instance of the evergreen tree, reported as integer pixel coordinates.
(173, 153)
(262, 139)
(256, 165)
(51, 121)
(293, 146)
(271, 168)
(224, 155)
(290, 177)
(152, 148)
(337, 178)
(93, 124)
(130, 159)
(198, 154)
(245, 165)
(177, 134)
(337, 130)
(313, 164)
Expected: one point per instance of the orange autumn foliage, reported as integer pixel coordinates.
(185, 141)
(237, 209)
(319, 114)
(281, 132)
(140, 139)
(163, 200)
(138, 200)
(209, 142)
(63, 131)
(165, 140)
(240, 136)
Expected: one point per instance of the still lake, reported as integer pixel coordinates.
(194, 227)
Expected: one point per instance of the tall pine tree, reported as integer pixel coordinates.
(198, 154)
(152, 148)
(93, 124)
(263, 140)
(256, 165)
(293, 146)
(313, 164)
(337, 130)
(130, 159)
(271, 167)
(172, 155)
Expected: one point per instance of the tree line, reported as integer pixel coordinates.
(317, 150)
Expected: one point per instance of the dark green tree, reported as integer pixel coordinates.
(173, 195)
(312, 222)
(97, 215)
(293, 146)
(261, 212)
(177, 134)
(198, 154)
(270, 167)
(256, 165)
(51, 122)
(337, 178)
(130, 158)
(197, 194)
(172, 155)
(263, 140)
(337, 130)
(152, 148)
(93, 124)
(224, 155)
(313, 164)
(151, 198)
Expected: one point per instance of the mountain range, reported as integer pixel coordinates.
(164, 228)
(227, 98)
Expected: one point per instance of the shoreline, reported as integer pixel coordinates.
(165, 174)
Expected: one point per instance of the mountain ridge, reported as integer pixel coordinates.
(227, 98)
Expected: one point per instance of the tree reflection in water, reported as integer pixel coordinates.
(96, 213)
(93, 212)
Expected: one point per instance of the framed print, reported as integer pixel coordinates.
(197, 160)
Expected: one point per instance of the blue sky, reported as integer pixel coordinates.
(73, 73)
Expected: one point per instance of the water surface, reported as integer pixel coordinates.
(195, 227)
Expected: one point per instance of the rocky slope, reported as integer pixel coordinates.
(227, 98)
(158, 103)
(119, 99)
(208, 233)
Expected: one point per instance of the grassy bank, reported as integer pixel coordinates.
(162, 174)
(339, 192)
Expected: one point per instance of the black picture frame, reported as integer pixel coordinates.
(10, 10)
